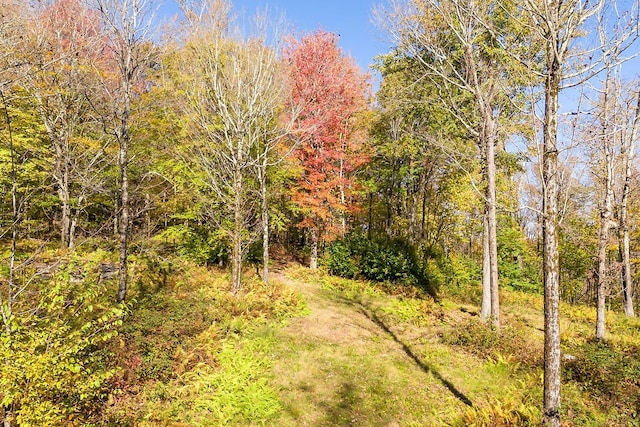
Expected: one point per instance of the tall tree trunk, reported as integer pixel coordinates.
(550, 242)
(388, 225)
(492, 221)
(370, 227)
(313, 261)
(603, 237)
(236, 250)
(262, 175)
(74, 224)
(343, 200)
(129, 24)
(485, 309)
(628, 153)
(605, 215)
(413, 216)
(60, 151)
(123, 160)
(627, 278)
(65, 201)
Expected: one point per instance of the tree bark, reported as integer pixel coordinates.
(65, 200)
(123, 160)
(606, 209)
(492, 221)
(60, 150)
(128, 23)
(262, 175)
(627, 153)
(313, 261)
(238, 225)
(551, 415)
(485, 309)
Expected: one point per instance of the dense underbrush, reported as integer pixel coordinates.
(189, 350)
(186, 351)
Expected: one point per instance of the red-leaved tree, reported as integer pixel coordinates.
(332, 91)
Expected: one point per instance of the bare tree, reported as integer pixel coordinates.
(128, 23)
(67, 41)
(557, 25)
(236, 100)
(627, 152)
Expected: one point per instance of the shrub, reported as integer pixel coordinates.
(198, 244)
(383, 260)
(610, 374)
(53, 369)
(340, 260)
(482, 339)
(388, 261)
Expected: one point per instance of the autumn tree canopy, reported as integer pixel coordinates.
(331, 91)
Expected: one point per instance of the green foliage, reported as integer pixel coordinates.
(575, 263)
(191, 347)
(54, 369)
(609, 374)
(234, 392)
(382, 260)
(510, 411)
(387, 261)
(518, 266)
(461, 271)
(482, 339)
(197, 243)
(340, 260)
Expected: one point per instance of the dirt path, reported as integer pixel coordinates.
(329, 320)
(341, 366)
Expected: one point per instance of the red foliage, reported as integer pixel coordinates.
(71, 25)
(330, 89)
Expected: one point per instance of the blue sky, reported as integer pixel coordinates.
(351, 19)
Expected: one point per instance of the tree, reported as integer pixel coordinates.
(423, 166)
(605, 142)
(557, 25)
(456, 44)
(128, 23)
(627, 151)
(236, 102)
(329, 90)
(10, 67)
(64, 83)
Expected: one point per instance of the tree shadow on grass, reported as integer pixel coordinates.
(344, 412)
(421, 364)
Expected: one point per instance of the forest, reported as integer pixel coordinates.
(212, 220)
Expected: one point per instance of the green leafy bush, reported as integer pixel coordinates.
(198, 244)
(518, 265)
(609, 373)
(54, 369)
(341, 261)
(382, 260)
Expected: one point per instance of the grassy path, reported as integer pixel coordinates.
(346, 364)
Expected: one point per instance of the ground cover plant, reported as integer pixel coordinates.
(317, 349)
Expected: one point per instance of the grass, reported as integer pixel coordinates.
(316, 350)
